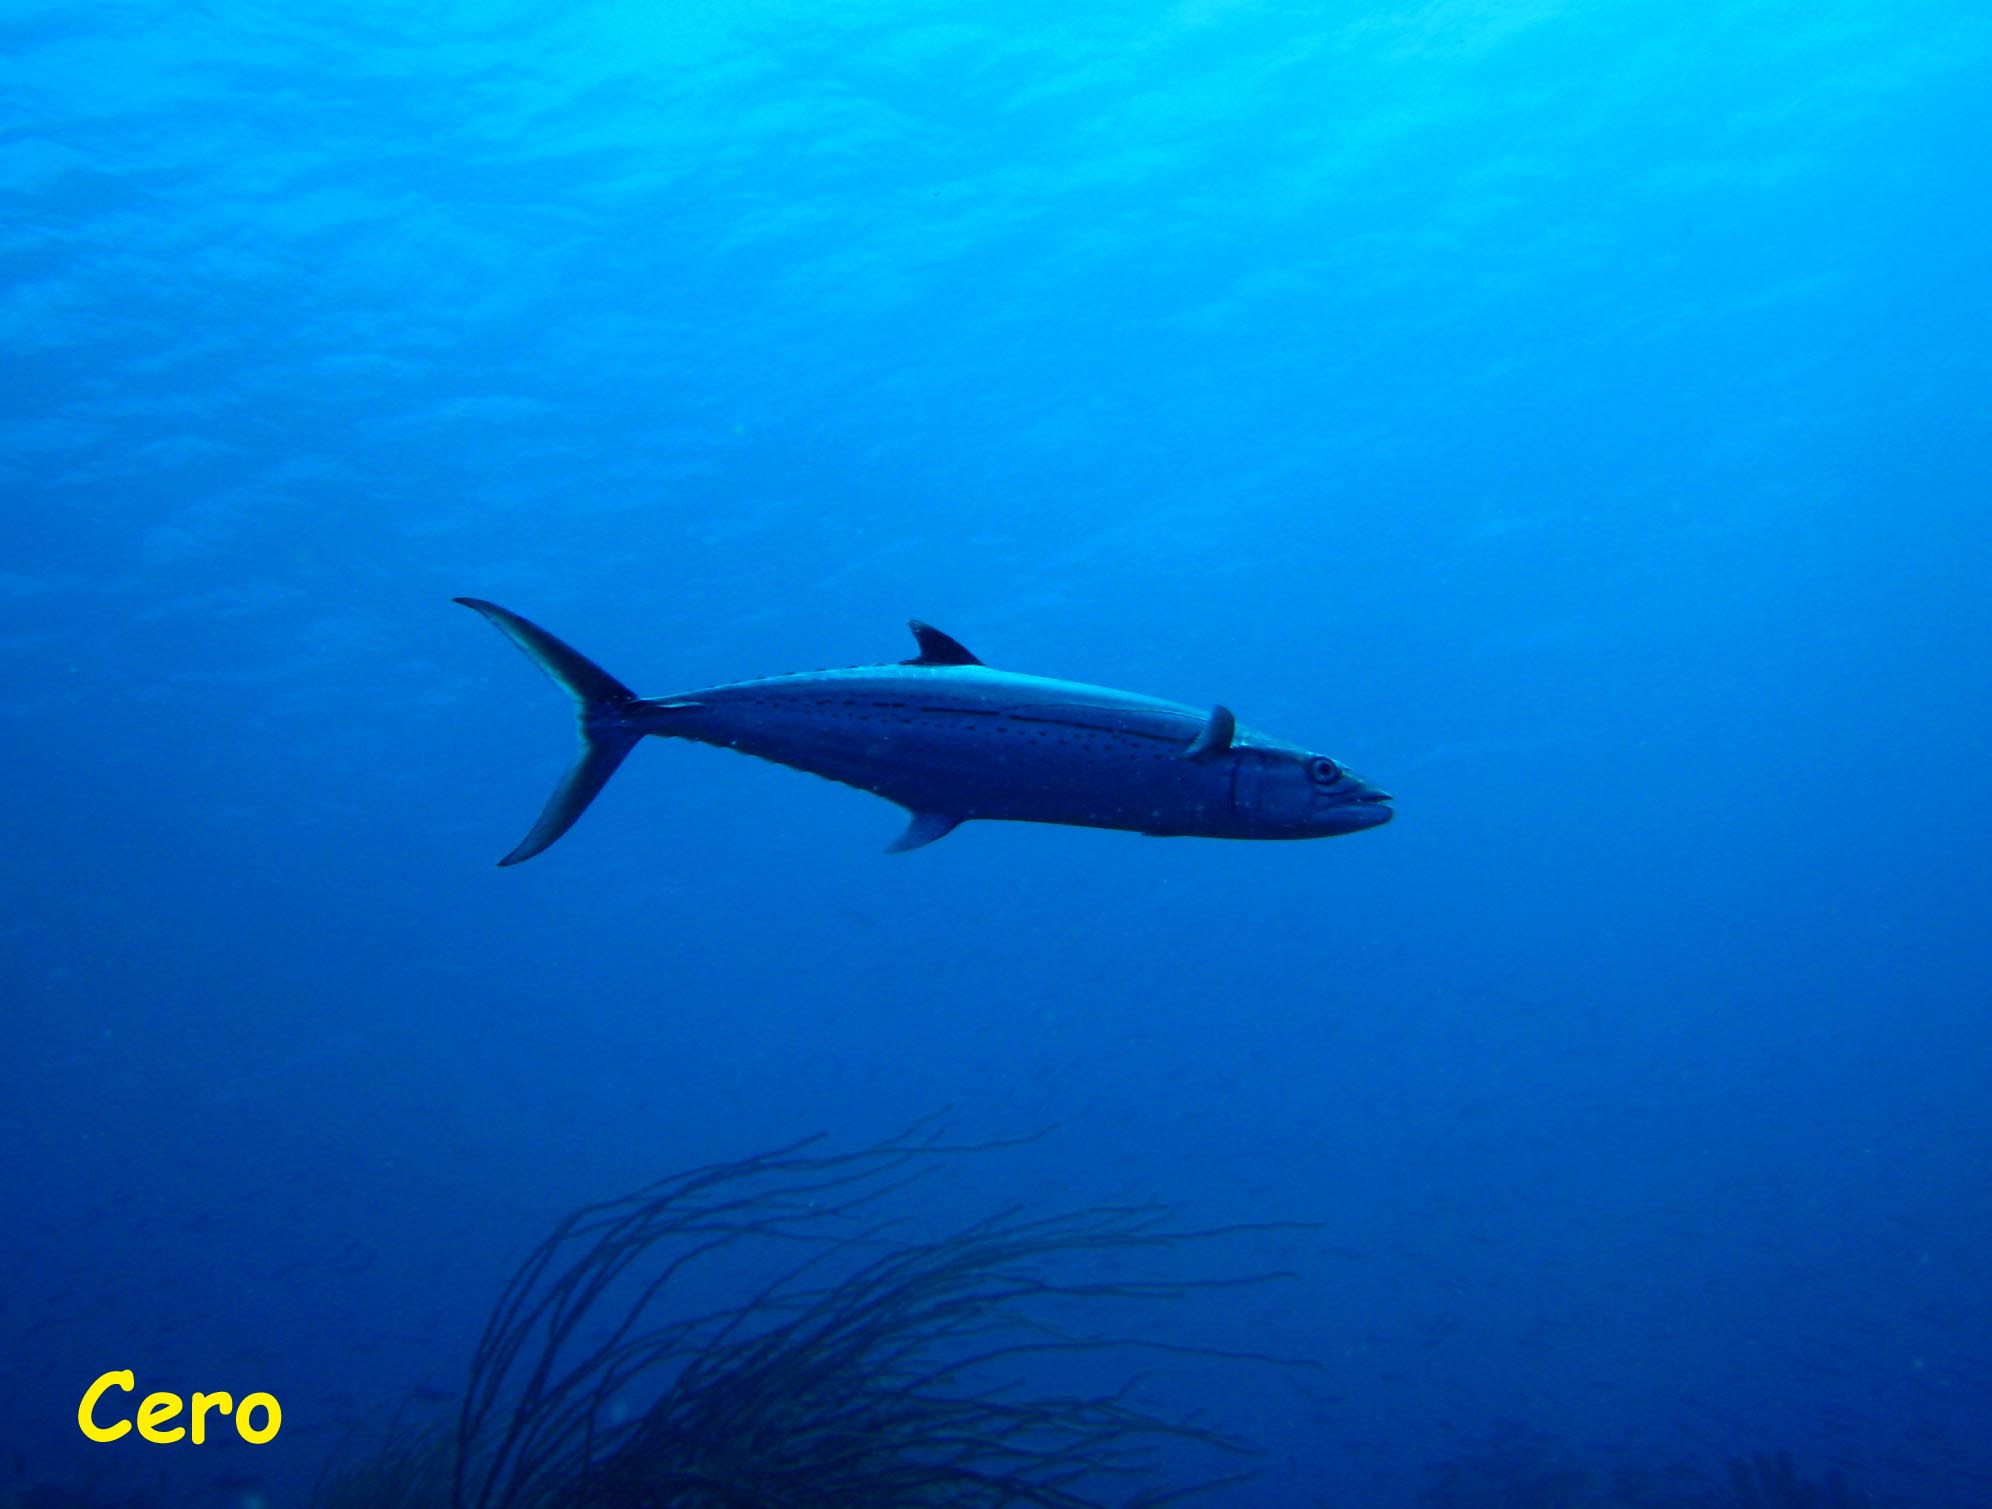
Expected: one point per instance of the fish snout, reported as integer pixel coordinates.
(1366, 814)
(1366, 806)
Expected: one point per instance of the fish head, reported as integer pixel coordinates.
(1285, 792)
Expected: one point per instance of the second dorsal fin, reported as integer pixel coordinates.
(937, 648)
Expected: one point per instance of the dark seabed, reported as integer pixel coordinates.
(1575, 414)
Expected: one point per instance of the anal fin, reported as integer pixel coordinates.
(924, 828)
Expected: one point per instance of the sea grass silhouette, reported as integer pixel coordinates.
(854, 1365)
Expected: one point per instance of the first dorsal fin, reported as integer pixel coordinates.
(937, 648)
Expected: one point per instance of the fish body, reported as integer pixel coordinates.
(953, 740)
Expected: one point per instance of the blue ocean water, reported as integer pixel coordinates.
(1576, 414)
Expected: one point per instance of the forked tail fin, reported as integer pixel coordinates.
(603, 704)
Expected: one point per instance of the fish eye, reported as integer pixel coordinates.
(1323, 771)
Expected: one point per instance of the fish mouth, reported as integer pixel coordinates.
(1370, 809)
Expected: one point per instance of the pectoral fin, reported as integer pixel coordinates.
(1214, 738)
(923, 830)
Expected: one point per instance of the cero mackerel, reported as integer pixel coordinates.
(950, 740)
